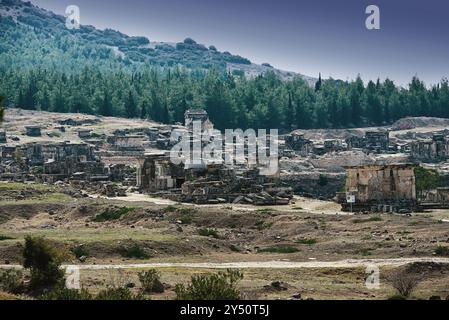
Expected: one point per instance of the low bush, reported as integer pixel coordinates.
(134, 251)
(80, 251)
(280, 249)
(209, 233)
(260, 225)
(220, 286)
(121, 293)
(397, 297)
(43, 260)
(11, 281)
(112, 214)
(370, 219)
(60, 292)
(442, 251)
(404, 282)
(306, 241)
(151, 282)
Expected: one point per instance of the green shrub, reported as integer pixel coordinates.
(112, 214)
(170, 208)
(11, 281)
(208, 233)
(364, 252)
(2, 237)
(260, 225)
(44, 260)
(306, 241)
(60, 292)
(80, 251)
(220, 286)
(397, 297)
(187, 211)
(121, 293)
(442, 251)
(151, 282)
(280, 249)
(134, 251)
(370, 219)
(235, 248)
(265, 210)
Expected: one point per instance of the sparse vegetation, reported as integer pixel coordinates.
(220, 286)
(43, 260)
(265, 210)
(11, 281)
(151, 282)
(306, 241)
(370, 219)
(3, 237)
(60, 292)
(404, 282)
(261, 225)
(122, 293)
(426, 179)
(279, 249)
(235, 248)
(442, 251)
(112, 214)
(205, 232)
(80, 251)
(364, 252)
(170, 208)
(135, 251)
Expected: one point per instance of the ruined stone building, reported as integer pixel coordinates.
(33, 131)
(377, 141)
(296, 142)
(50, 162)
(200, 115)
(372, 141)
(437, 199)
(431, 150)
(214, 183)
(66, 160)
(380, 187)
(126, 143)
(84, 133)
(157, 173)
(2, 136)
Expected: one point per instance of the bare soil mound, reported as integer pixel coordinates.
(416, 122)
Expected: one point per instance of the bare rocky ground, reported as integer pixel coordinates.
(307, 231)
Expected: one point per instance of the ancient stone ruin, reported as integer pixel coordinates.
(431, 150)
(380, 188)
(33, 131)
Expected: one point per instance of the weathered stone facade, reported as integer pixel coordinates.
(372, 141)
(381, 187)
(33, 131)
(296, 142)
(157, 173)
(3, 136)
(431, 150)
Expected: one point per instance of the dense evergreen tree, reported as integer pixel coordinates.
(232, 102)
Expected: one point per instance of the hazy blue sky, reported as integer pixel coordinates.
(306, 36)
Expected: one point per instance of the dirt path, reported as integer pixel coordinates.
(349, 263)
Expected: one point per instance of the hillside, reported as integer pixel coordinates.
(45, 66)
(32, 35)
